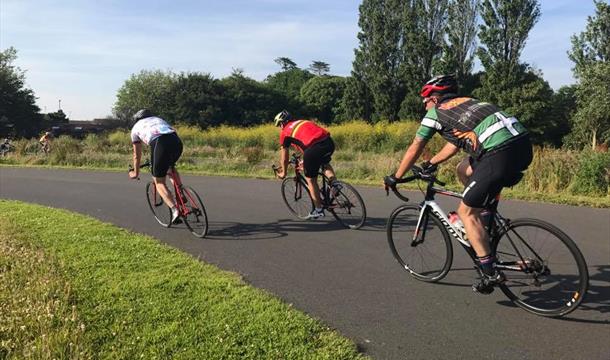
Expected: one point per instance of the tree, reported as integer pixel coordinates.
(289, 83)
(153, 90)
(458, 51)
(322, 95)
(591, 56)
(19, 115)
(247, 102)
(198, 99)
(591, 122)
(562, 110)
(504, 32)
(319, 68)
(424, 25)
(379, 58)
(592, 45)
(286, 63)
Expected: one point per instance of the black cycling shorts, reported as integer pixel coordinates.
(496, 170)
(317, 155)
(164, 153)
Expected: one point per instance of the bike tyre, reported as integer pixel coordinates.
(574, 296)
(198, 224)
(351, 194)
(161, 212)
(299, 204)
(443, 242)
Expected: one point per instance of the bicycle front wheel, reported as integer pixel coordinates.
(161, 212)
(347, 206)
(545, 271)
(420, 243)
(296, 196)
(195, 219)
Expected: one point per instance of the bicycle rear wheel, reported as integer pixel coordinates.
(426, 253)
(195, 219)
(161, 212)
(545, 271)
(296, 196)
(347, 206)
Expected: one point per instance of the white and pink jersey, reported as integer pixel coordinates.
(150, 128)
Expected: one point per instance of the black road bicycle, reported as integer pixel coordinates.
(341, 200)
(546, 274)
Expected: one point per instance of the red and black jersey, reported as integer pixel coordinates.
(301, 134)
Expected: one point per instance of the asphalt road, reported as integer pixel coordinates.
(347, 278)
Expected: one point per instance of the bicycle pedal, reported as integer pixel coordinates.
(483, 288)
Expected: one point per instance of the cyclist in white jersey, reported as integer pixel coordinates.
(165, 150)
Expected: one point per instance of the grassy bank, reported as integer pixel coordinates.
(365, 153)
(73, 287)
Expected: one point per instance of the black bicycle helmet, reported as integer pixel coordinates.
(142, 114)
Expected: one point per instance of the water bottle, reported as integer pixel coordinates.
(457, 223)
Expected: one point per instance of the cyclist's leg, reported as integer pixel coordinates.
(161, 154)
(311, 165)
(464, 170)
(328, 148)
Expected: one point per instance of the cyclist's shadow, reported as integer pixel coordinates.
(220, 230)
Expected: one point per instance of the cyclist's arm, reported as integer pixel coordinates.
(413, 152)
(446, 152)
(284, 159)
(137, 156)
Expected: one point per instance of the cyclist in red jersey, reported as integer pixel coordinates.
(317, 147)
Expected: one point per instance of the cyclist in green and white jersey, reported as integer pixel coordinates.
(499, 151)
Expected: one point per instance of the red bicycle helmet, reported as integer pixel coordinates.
(441, 84)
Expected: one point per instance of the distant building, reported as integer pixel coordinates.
(79, 128)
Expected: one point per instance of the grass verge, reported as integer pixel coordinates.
(73, 287)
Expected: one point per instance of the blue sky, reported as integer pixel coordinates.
(82, 51)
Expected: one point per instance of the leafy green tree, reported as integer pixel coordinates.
(458, 51)
(286, 63)
(424, 25)
(591, 56)
(289, 83)
(322, 95)
(58, 117)
(505, 28)
(248, 102)
(19, 115)
(562, 110)
(357, 100)
(153, 90)
(319, 68)
(379, 57)
(592, 45)
(591, 122)
(198, 99)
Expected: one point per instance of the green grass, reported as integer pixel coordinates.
(73, 287)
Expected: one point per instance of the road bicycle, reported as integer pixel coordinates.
(546, 274)
(341, 199)
(189, 204)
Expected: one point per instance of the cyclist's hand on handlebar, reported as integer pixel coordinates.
(389, 182)
(428, 167)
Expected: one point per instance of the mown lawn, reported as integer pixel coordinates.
(73, 287)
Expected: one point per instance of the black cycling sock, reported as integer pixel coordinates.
(487, 264)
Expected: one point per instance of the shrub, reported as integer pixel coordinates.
(592, 176)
